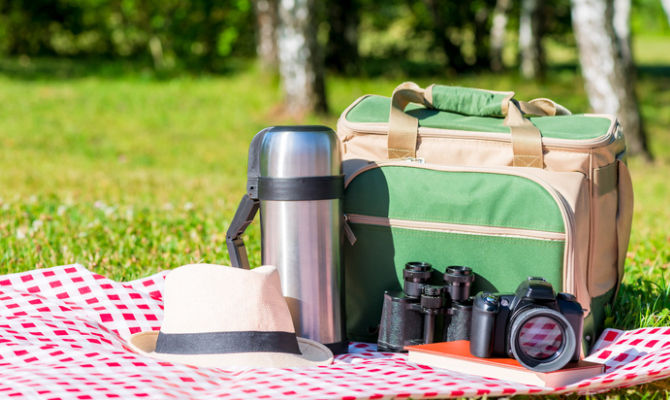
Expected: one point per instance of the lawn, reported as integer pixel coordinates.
(128, 173)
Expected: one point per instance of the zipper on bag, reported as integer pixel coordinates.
(428, 132)
(462, 229)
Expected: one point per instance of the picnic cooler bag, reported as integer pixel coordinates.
(459, 176)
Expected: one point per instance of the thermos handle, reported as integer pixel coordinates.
(244, 215)
(248, 207)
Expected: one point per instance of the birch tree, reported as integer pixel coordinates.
(300, 65)
(666, 7)
(530, 39)
(498, 29)
(621, 25)
(610, 88)
(266, 28)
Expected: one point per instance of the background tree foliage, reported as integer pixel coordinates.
(355, 34)
(166, 32)
(406, 38)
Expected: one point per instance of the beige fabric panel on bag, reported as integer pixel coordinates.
(603, 258)
(434, 148)
(574, 187)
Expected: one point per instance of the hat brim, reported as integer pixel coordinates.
(313, 354)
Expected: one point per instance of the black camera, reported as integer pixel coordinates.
(412, 316)
(540, 329)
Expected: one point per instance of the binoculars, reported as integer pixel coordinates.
(423, 312)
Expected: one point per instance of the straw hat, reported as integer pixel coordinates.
(224, 317)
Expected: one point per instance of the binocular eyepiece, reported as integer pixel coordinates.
(413, 316)
(458, 280)
(416, 275)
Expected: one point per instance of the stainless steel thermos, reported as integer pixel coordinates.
(295, 177)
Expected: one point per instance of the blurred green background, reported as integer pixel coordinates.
(201, 35)
(124, 124)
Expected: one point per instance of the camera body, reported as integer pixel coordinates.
(539, 328)
(412, 316)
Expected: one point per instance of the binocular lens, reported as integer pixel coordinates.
(458, 280)
(417, 268)
(457, 270)
(540, 337)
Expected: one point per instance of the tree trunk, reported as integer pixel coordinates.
(531, 26)
(342, 51)
(211, 29)
(451, 51)
(266, 39)
(666, 7)
(621, 24)
(498, 29)
(300, 66)
(482, 39)
(609, 87)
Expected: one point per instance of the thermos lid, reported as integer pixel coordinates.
(300, 163)
(300, 151)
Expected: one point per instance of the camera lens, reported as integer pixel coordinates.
(458, 280)
(542, 339)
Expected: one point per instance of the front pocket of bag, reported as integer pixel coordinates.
(501, 262)
(504, 226)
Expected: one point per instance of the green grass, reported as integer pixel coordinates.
(129, 173)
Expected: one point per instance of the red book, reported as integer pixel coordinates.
(455, 356)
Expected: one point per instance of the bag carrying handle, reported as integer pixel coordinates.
(526, 138)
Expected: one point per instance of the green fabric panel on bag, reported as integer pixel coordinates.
(470, 198)
(573, 127)
(374, 264)
(468, 101)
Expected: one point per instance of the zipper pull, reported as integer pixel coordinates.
(348, 232)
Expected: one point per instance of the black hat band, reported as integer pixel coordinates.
(227, 342)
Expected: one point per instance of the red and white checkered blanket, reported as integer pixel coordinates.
(63, 331)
